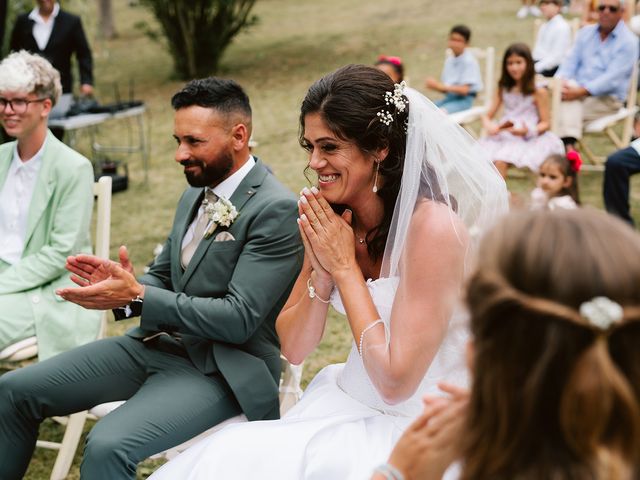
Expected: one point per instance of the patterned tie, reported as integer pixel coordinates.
(200, 227)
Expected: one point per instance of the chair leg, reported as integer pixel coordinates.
(69, 445)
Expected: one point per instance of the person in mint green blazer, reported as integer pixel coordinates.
(46, 201)
(206, 348)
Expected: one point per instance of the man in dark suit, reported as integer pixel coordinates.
(206, 348)
(3, 22)
(56, 35)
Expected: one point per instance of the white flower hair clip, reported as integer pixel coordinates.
(601, 312)
(396, 99)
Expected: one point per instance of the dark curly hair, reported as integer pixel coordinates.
(349, 100)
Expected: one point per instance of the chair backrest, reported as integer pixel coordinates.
(486, 57)
(632, 96)
(555, 85)
(102, 192)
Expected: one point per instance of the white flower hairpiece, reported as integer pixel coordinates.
(396, 99)
(601, 312)
(221, 212)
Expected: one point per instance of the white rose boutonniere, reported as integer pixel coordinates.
(222, 213)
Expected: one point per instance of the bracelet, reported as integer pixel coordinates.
(313, 294)
(389, 471)
(369, 327)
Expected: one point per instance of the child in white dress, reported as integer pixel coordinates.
(557, 184)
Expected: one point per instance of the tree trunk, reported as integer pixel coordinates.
(106, 26)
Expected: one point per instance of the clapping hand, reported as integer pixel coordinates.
(328, 238)
(431, 443)
(102, 283)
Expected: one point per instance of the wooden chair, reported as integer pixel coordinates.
(466, 117)
(290, 393)
(74, 423)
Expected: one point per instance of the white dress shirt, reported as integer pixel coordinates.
(42, 28)
(223, 189)
(15, 199)
(552, 44)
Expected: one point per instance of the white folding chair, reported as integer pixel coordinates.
(605, 125)
(75, 423)
(466, 117)
(290, 393)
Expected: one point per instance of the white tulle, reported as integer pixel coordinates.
(340, 429)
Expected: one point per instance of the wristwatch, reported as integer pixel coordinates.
(130, 310)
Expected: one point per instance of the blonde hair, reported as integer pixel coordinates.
(553, 396)
(25, 72)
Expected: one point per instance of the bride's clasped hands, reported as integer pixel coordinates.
(328, 237)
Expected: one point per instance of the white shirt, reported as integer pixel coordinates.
(15, 199)
(223, 189)
(552, 44)
(42, 28)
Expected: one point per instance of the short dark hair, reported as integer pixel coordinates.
(225, 96)
(462, 30)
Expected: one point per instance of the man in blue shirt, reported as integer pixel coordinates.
(597, 72)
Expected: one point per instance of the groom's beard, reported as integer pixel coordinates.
(210, 173)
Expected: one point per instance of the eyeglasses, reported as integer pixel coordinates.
(18, 105)
(611, 8)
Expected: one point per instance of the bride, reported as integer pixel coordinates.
(402, 193)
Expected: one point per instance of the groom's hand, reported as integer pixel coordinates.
(103, 284)
(86, 271)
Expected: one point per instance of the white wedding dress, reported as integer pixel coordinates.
(340, 429)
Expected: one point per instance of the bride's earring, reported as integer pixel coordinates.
(375, 178)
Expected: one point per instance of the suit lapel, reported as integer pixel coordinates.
(193, 201)
(242, 194)
(44, 187)
(55, 31)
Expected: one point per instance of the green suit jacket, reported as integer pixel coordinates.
(58, 226)
(226, 302)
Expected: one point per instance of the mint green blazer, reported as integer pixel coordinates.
(59, 220)
(226, 302)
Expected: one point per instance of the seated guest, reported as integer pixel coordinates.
(555, 319)
(392, 66)
(45, 213)
(597, 72)
(206, 348)
(618, 169)
(521, 137)
(461, 79)
(56, 35)
(553, 40)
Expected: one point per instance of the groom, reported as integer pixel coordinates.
(206, 348)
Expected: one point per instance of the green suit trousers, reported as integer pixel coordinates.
(168, 401)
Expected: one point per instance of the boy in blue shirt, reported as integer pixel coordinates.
(461, 79)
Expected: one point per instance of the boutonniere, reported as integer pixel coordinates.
(222, 212)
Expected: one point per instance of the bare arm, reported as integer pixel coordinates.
(487, 120)
(541, 99)
(432, 271)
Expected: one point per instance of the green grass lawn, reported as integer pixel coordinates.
(295, 42)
